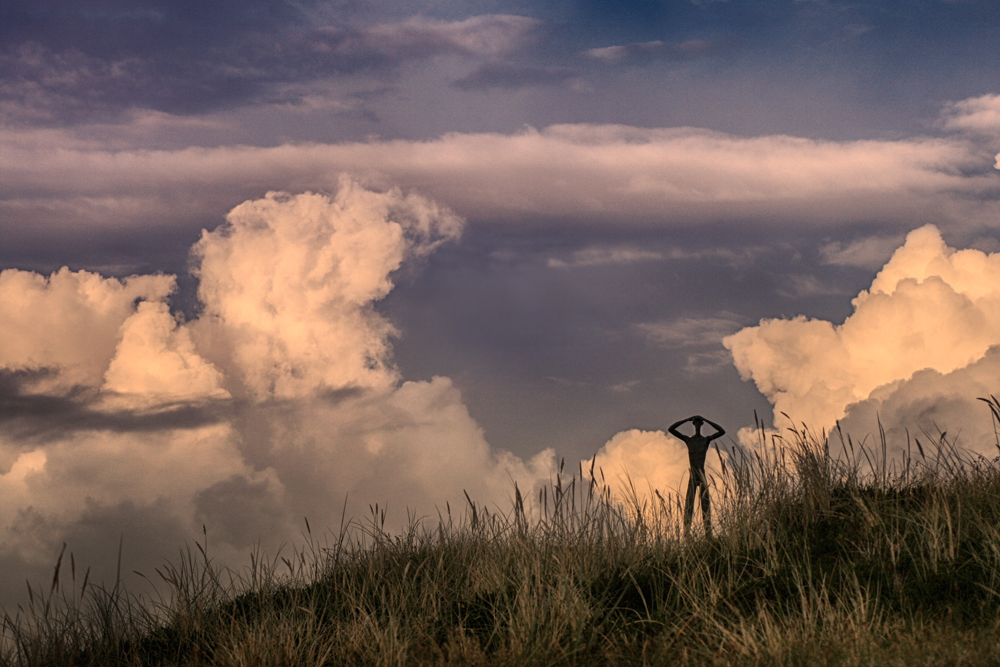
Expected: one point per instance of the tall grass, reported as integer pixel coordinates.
(815, 560)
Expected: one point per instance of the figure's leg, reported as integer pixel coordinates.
(689, 501)
(706, 504)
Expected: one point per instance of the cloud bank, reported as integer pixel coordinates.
(597, 173)
(278, 401)
(916, 353)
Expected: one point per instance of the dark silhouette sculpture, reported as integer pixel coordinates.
(697, 445)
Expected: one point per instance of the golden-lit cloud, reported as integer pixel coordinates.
(279, 401)
(288, 286)
(156, 360)
(920, 342)
(68, 322)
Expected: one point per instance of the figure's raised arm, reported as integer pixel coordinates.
(720, 431)
(677, 434)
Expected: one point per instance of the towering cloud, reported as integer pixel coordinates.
(916, 353)
(280, 401)
(288, 286)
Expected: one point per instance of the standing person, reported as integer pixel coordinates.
(697, 445)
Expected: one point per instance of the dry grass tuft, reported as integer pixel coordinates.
(816, 561)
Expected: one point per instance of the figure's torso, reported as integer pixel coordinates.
(697, 450)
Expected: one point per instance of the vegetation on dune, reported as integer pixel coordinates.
(815, 561)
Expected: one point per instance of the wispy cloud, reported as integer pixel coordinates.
(977, 114)
(700, 339)
(487, 36)
(624, 387)
(609, 174)
(601, 256)
(869, 253)
(690, 331)
(656, 50)
(44, 80)
(500, 74)
(799, 286)
(736, 257)
(706, 363)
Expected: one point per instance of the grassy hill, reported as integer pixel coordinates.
(813, 562)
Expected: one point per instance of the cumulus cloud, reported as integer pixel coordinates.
(917, 351)
(156, 360)
(288, 286)
(39, 312)
(929, 406)
(279, 401)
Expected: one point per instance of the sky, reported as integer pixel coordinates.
(267, 260)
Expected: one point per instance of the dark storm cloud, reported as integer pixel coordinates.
(145, 535)
(27, 416)
(240, 510)
(509, 75)
(66, 61)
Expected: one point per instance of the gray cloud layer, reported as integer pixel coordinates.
(79, 62)
(592, 172)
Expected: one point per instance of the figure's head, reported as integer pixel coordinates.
(697, 423)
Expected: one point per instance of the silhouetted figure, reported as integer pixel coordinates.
(697, 445)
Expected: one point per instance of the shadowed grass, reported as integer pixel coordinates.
(816, 561)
